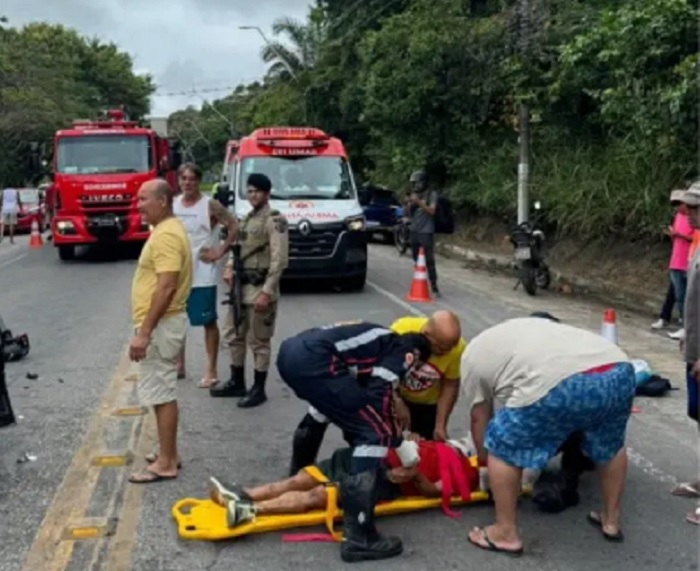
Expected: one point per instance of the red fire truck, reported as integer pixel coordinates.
(98, 167)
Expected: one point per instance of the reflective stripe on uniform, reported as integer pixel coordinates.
(367, 451)
(363, 339)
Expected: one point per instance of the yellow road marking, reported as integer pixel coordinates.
(131, 411)
(113, 460)
(122, 544)
(91, 528)
(48, 552)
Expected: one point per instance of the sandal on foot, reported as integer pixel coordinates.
(491, 546)
(153, 456)
(693, 517)
(594, 519)
(207, 383)
(148, 477)
(686, 490)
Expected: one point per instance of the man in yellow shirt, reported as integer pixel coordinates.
(159, 294)
(429, 393)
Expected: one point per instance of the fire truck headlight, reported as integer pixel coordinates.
(356, 224)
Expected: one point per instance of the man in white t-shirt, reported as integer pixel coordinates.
(530, 383)
(203, 217)
(10, 204)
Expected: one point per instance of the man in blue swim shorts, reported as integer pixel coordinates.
(530, 383)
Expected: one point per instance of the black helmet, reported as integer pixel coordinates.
(418, 176)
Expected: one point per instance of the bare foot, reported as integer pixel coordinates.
(693, 517)
(492, 539)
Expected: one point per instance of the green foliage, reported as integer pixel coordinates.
(49, 76)
(611, 85)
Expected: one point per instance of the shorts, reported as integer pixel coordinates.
(201, 306)
(596, 404)
(693, 393)
(337, 467)
(9, 217)
(157, 376)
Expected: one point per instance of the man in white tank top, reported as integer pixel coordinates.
(9, 207)
(203, 217)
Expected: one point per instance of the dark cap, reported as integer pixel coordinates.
(417, 342)
(260, 181)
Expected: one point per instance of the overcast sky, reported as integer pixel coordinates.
(182, 43)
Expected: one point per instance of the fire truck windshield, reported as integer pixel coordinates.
(104, 154)
(316, 178)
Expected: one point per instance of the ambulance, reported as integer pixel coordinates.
(314, 188)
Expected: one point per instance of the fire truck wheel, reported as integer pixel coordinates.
(66, 253)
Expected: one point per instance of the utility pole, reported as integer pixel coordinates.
(524, 119)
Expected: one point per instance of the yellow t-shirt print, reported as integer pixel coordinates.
(422, 386)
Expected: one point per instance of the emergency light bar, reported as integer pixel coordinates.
(289, 133)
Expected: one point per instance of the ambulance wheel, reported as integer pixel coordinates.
(66, 253)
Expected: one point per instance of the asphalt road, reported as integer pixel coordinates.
(77, 318)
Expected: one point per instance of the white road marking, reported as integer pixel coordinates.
(634, 457)
(397, 300)
(12, 261)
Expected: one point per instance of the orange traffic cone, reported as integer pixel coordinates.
(35, 240)
(419, 285)
(609, 328)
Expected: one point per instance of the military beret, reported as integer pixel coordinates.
(260, 181)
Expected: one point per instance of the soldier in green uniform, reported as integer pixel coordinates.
(264, 238)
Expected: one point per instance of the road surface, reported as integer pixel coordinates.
(78, 320)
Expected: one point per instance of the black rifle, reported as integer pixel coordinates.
(235, 294)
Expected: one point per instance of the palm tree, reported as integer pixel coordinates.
(288, 61)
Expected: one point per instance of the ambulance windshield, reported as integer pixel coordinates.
(317, 178)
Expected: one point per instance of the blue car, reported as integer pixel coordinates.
(382, 211)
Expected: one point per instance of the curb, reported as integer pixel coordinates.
(566, 284)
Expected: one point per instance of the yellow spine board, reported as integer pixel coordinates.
(205, 520)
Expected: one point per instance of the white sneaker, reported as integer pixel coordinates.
(660, 324)
(678, 335)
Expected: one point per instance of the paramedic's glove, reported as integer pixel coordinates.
(408, 453)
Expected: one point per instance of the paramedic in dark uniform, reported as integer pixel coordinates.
(264, 237)
(348, 373)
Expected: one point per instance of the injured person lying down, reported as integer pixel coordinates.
(303, 493)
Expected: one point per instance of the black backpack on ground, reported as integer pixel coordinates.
(444, 215)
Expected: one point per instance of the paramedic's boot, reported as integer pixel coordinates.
(308, 438)
(256, 396)
(234, 387)
(221, 494)
(361, 540)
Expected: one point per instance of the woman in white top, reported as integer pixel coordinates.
(202, 217)
(10, 204)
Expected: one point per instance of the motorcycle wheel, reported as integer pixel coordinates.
(401, 239)
(543, 278)
(527, 277)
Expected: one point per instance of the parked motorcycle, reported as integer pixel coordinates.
(528, 241)
(402, 232)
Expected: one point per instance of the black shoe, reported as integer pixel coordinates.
(361, 540)
(308, 438)
(435, 290)
(256, 396)
(234, 387)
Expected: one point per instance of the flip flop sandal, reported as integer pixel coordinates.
(207, 383)
(152, 477)
(686, 490)
(693, 517)
(153, 456)
(491, 546)
(594, 519)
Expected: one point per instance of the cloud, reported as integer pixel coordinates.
(185, 45)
